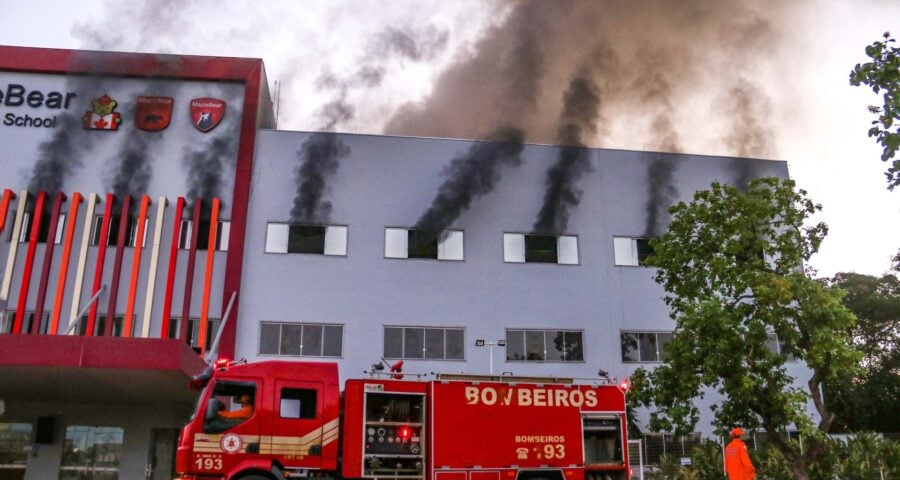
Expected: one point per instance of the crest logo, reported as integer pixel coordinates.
(231, 443)
(101, 115)
(153, 113)
(207, 112)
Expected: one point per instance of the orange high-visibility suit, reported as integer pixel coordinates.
(737, 461)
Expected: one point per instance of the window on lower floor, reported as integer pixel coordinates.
(315, 239)
(212, 327)
(301, 339)
(14, 438)
(223, 230)
(544, 345)
(631, 251)
(9, 319)
(91, 453)
(522, 248)
(411, 243)
(428, 343)
(644, 346)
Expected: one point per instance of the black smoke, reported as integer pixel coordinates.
(205, 167)
(57, 157)
(579, 120)
(318, 157)
(470, 175)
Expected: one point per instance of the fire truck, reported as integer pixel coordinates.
(274, 420)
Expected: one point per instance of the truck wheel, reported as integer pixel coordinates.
(256, 476)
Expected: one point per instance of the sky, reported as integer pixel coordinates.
(761, 79)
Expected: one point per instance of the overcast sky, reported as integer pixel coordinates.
(764, 79)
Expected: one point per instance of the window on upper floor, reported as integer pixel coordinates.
(9, 320)
(223, 230)
(644, 346)
(314, 239)
(428, 343)
(524, 248)
(532, 345)
(631, 251)
(44, 228)
(301, 339)
(112, 236)
(411, 243)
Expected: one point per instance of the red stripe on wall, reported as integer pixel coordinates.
(35, 225)
(173, 261)
(135, 267)
(117, 266)
(101, 256)
(64, 264)
(189, 274)
(58, 199)
(8, 195)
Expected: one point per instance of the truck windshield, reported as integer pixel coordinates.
(231, 403)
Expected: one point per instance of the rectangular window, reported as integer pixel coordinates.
(644, 346)
(430, 343)
(523, 248)
(14, 439)
(223, 230)
(409, 243)
(544, 345)
(630, 251)
(91, 452)
(112, 237)
(301, 339)
(212, 327)
(298, 403)
(314, 239)
(25, 230)
(27, 319)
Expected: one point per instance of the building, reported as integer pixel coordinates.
(105, 249)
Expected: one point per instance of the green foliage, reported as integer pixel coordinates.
(731, 264)
(882, 75)
(870, 400)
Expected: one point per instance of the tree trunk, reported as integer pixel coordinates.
(798, 468)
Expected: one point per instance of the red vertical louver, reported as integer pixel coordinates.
(101, 257)
(64, 264)
(35, 225)
(207, 280)
(117, 266)
(58, 199)
(189, 273)
(173, 262)
(128, 321)
(8, 195)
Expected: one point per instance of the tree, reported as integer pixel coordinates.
(882, 75)
(731, 264)
(870, 400)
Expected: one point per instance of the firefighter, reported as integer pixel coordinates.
(242, 413)
(737, 461)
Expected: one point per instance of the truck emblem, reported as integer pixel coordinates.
(207, 112)
(231, 443)
(101, 115)
(153, 113)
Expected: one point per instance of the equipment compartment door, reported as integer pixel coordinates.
(299, 429)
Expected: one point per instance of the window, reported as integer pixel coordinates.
(14, 438)
(522, 248)
(644, 346)
(297, 403)
(231, 403)
(223, 230)
(544, 345)
(112, 237)
(777, 346)
(315, 239)
(428, 343)
(301, 339)
(10, 318)
(409, 243)
(91, 453)
(631, 252)
(25, 230)
(212, 327)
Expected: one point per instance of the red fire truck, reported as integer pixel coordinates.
(275, 420)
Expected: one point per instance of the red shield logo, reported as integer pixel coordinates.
(207, 112)
(153, 113)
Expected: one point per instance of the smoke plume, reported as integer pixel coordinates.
(205, 167)
(749, 135)
(581, 106)
(57, 157)
(470, 175)
(318, 157)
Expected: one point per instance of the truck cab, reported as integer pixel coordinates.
(262, 419)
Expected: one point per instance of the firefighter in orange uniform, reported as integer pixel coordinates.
(245, 411)
(737, 461)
